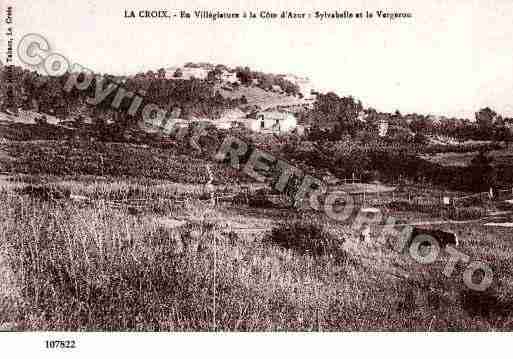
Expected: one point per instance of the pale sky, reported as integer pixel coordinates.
(451, 58)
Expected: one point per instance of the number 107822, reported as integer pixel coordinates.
(60, 344)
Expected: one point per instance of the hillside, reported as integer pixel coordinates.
(193, 90)
(261, 98)
(262, 90)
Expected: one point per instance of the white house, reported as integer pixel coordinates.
(382, 128)
(272, 121)
(230, 76)
(264, 121)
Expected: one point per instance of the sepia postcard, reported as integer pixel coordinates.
(254, 166)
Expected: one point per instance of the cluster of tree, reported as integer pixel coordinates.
(493, 126)
(267, 81)
(215, 74)
(29, 90)
(333, 117)
(488, 125)
(193, 97)
(345, 159)
(32, 91)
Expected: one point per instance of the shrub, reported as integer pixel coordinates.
(420, 139)
(45, 192)
(259, 198)
(485, 304)
(306, 239)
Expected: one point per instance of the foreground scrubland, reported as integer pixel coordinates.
(94, 266)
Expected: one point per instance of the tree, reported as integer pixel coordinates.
(178, 73)
(342, 110)
(499, 121)
(420, 139)
(266, 81)
(502, 133)
(485, 118)
(214, 75)
(150, 75)
(290, 88)
(483, 173)
(161, 73)
(244, 75)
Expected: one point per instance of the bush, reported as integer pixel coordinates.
(259, 198)
(44, 192)
(306, 239)
(420, 139)
(485, 304)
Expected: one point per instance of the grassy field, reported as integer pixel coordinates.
(86, 266)
(501, 157)
(72, 159)
(117, 236)
(262, 98)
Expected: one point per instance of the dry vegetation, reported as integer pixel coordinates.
(259, 97)
(140, 249)
(92, 266)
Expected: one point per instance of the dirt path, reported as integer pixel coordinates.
(425, 223)
(483, 219)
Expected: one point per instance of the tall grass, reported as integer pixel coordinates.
(99, 268)
(306, 238)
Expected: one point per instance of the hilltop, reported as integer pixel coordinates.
(190, 91)
(260, 90)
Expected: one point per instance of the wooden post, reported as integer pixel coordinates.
(101, 163)
(209, 187)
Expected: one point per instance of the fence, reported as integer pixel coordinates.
(482, 196)
(498, 194)
(384, 197)
(351, 180)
